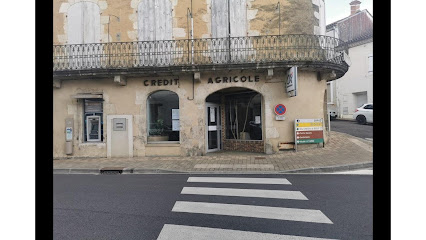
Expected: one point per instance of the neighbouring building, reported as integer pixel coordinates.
(356, 87)
(184, 78)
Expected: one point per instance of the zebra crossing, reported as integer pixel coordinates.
(183, 232)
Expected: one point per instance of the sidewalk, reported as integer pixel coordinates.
(343, 152)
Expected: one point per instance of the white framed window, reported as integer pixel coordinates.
(93, 120)
(370, 64)
(330, 92)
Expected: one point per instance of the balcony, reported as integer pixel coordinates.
(321, 53)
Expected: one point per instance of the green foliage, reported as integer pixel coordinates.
(158, 129)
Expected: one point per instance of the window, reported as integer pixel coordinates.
(243, 116)
(370, 64)
(369, 106)
(329, 92)
(93, 120)
(84, 23)
(163, 116)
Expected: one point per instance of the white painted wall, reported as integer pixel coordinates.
(349, 88)
(84, 23)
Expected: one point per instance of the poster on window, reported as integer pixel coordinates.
(175, 125)
(212, 115)
(175, 113)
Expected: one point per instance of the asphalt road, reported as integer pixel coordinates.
(141, 206)
(352, 128)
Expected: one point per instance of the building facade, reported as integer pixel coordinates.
(185, 78)
(355, 88)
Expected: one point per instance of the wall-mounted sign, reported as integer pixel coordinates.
(175, 125)
(280, 109)
(231, 79)
(68, 135)
(257, 119)
(161, 82)
(308, 131)
(291, 83)
(175, 113)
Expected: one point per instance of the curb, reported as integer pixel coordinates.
(337, 168)
(153, 171)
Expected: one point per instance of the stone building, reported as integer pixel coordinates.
(184, 78)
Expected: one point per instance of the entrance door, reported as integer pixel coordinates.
(214, 127)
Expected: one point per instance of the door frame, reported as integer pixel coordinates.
(219, 127)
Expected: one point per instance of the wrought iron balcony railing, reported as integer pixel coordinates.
(196, 52)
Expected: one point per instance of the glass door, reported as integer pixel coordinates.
(214, 127)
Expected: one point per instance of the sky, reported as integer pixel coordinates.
(338, 9)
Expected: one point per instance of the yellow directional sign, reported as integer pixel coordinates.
(309, 124)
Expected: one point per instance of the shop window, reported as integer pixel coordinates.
(163, 117)
(243, 116)
(93, 120)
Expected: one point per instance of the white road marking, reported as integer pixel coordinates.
(260, 193)
(180, 232)
(291, 214)
(355, 172)
(235, 166)
(239, 180)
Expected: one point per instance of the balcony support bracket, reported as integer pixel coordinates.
(328, 76)
(57, 83)
(120, 80)
(270, 73)
(197, 77)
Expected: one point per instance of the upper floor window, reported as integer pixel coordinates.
(237, 18)
(370, 64)
(155, 20)
(84, 23)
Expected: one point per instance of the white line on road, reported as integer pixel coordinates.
(180, 232)
(355, 172)
(260, 193)
(291, 214)
(239, 180)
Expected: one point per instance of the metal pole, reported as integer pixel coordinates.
(229, 30)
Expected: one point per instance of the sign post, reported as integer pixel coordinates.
(307, 131)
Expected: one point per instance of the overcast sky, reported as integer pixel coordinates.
(338, 9)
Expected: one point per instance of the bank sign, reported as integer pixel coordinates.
(291, 83)
(308, 131)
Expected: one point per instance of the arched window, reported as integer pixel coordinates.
(84, 23)
(163, 116)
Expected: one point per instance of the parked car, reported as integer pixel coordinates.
(364, 114)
